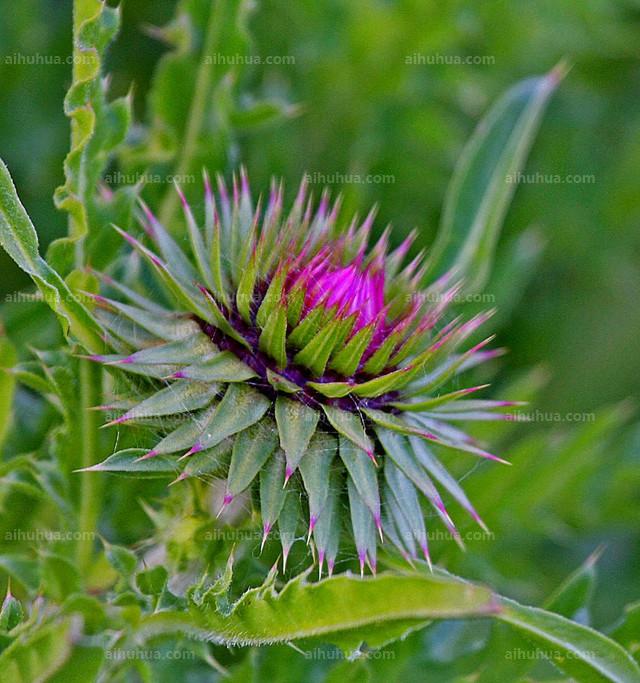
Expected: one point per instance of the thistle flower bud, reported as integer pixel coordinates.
(297, 351)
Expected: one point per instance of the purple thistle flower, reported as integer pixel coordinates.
(296, 349)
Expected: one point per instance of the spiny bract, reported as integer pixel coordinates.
(291, 350)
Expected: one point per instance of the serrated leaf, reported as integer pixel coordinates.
(340, 609)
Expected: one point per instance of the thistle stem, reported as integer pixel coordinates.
(197, 111)
(90, 393)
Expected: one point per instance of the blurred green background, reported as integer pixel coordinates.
(370, 102)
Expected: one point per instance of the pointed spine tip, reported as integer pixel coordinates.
(427, 556)
(117, 421)
(312, 523)
(151, 454)
(287, 475)
(371, 456)
(362, 556)
(181, 477)
(266, 530)
(226, 501)
(196, 448)
(378, 522)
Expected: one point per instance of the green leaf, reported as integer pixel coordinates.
(123, 560)
(24, 570)
(571, 599)
(332, 389)
(97, 127)
(627, 631)
(152, 581)
(273, 298)
(59, 576)
(485, 179)
(340, 609)
(296, 425)
(578, 651)
(19, 239)
(38, 653)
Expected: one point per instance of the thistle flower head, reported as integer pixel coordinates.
(304, 359)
